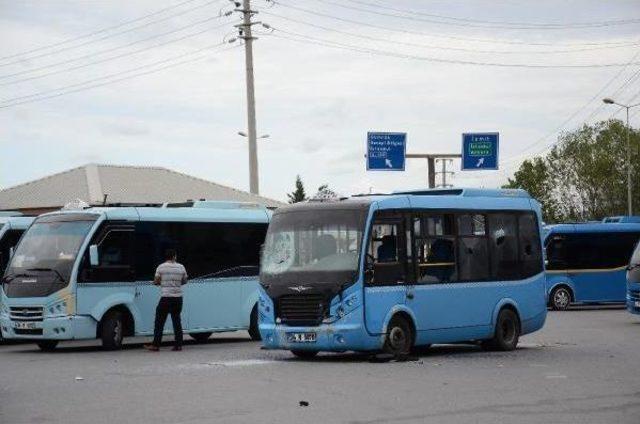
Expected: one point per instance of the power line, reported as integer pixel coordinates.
(110, 58)
(100, 31)
(19, 100)
(427, 46)
(449, 37)
(166, 18)
(113, 81)
(373, 51)
(523, 25)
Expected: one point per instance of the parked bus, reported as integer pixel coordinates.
(586, 262)
(633, 282)
(390, 272)
(11, 230)
(86, 274)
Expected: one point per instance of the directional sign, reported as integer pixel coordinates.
(479, 151)
(386, 151)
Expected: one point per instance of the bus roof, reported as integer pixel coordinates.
(17, 222)
(592, 227)
(431, 198)
(240, 213)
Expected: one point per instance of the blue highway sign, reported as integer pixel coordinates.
(386, 151)
(480, 151)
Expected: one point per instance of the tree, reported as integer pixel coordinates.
(298, 195)
(583, 177)
(325, 192)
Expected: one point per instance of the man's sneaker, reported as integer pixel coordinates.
(151, 347)
(177, 348)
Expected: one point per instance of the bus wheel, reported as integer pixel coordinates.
(507, 332)
(305, 354)
(201, 337)
(47, 345)
(560, 298)
(254, 331)
(112, 331)
(399, 340)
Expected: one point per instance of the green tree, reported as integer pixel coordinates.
(325, 192)
(298, 195)
(583, 177)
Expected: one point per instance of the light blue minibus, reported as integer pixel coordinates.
(391, 272)
(586, 262)
(87, 274)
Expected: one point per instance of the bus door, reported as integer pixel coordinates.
(386, 268)
(449, 269)
(556, 260)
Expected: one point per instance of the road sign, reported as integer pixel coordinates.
(480, 151)
(386, 151)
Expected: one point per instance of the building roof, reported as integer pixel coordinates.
(121, 185)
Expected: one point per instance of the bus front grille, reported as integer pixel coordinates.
(303, 309)
(634, 294)
(26, 313)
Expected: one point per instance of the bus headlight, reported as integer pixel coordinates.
(57, 308)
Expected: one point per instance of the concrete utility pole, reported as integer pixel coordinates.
(431, 164)
(246, 35)
(629, 166)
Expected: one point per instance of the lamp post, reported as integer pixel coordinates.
(629, 198)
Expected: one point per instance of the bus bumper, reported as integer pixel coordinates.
(72, 327)
(335, 337)
(633, 298)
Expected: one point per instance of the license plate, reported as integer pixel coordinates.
(25, 325)
(302, 337)
(637, 304)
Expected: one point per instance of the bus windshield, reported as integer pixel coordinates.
(50, 245)
(313, 246)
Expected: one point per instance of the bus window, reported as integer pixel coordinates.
(435, 252)
(556, 253)
(115, 257)
(529, 242)
(387, 238)
(504, 246)
(473, 252)
(599, 250)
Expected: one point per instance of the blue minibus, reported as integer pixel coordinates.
(586, 262)
(87, 273)
(393, 272)
(633, 282)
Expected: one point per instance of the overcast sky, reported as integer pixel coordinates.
(316, 102)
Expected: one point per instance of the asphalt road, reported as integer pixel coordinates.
(583, 367)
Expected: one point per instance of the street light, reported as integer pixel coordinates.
(244, 134)
(609, 101)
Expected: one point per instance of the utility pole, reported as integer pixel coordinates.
(443, 173)
(431, 165)
(247, 36)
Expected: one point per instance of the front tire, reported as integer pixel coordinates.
(47, 345)
(506, 333)
(305, 354)
(112, 331)
(254, 331)
(399, 340)
(560, 298)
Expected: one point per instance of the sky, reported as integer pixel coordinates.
(157, 83)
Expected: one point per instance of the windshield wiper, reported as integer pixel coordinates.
(49, 269)
(7, 279)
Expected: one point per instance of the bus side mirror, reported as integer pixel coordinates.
(93, 255)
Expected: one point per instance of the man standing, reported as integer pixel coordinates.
(170, 276)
